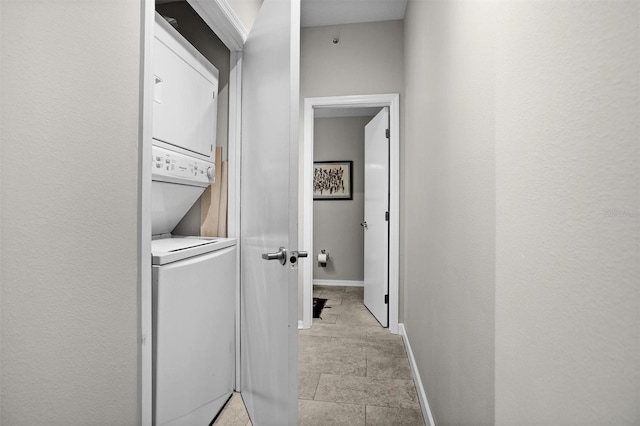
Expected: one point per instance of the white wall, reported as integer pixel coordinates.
(521, 133)
(336, 223)
(567, 274)
(70, 96)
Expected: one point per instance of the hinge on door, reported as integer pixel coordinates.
(386, 216)
(386, 299)
(388, 134)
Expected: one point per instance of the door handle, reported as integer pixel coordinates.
(295, 255)
(280, 255)
(364, 225)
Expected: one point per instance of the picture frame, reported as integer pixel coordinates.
(333, 180)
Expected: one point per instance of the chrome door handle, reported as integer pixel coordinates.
(364, 225)
(294, 255)
(281, 256)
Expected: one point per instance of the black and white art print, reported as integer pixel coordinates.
(332, 180)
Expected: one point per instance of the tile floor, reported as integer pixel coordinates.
(351, 370)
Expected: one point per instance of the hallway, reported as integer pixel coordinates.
(351, 370)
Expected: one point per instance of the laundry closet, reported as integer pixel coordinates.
(194, 265)
(191, 361)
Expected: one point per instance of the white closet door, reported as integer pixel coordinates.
(269, 185)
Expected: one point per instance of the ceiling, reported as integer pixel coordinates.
(317, 13)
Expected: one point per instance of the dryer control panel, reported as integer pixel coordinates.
(169, 166)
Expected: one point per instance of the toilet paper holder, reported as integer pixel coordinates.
(323, 257)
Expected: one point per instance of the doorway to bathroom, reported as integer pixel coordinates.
(340, 227)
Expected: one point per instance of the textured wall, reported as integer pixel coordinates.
(567, 269)
(533, 107)
(449, 211)
(69, 189)
(336, 224)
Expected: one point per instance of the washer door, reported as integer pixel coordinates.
(193, 340)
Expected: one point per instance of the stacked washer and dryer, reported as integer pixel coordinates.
(193, 277)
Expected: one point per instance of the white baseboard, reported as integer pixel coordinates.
(422, 395)
(342, 283)
(300, 324)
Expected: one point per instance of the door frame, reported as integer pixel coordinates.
(221, 18)
(392, 101)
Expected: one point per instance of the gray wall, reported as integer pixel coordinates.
(368, 59)
(194, 29)
(521, 133)
(449, 211)
(353, 67)
(69, 188)
(336, 223)
(568, 272)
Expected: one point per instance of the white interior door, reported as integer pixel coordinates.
(376, 224)
(269, 192)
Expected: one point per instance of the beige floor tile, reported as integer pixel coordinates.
(355, 317)
(378, 332)
(307, 384)
(332, 300)
(386, 348)
(334, 330)
(385, 416)
(349, 346)
(354, 289)
(317, 413)
(343, 309)
(234, 413)
(367, 391)
(350, 301)
(390, 368)
(313, 343)
(329, 287)
(332, 363)
(326, 317)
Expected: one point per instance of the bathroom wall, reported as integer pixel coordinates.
(69, 113)
(336, 223)
(198, 33)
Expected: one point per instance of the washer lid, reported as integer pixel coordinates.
(167, 250)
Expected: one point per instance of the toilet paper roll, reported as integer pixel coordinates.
(323, 257)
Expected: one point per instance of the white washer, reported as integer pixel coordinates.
(193, 328)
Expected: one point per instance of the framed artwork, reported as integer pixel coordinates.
(332, 180)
